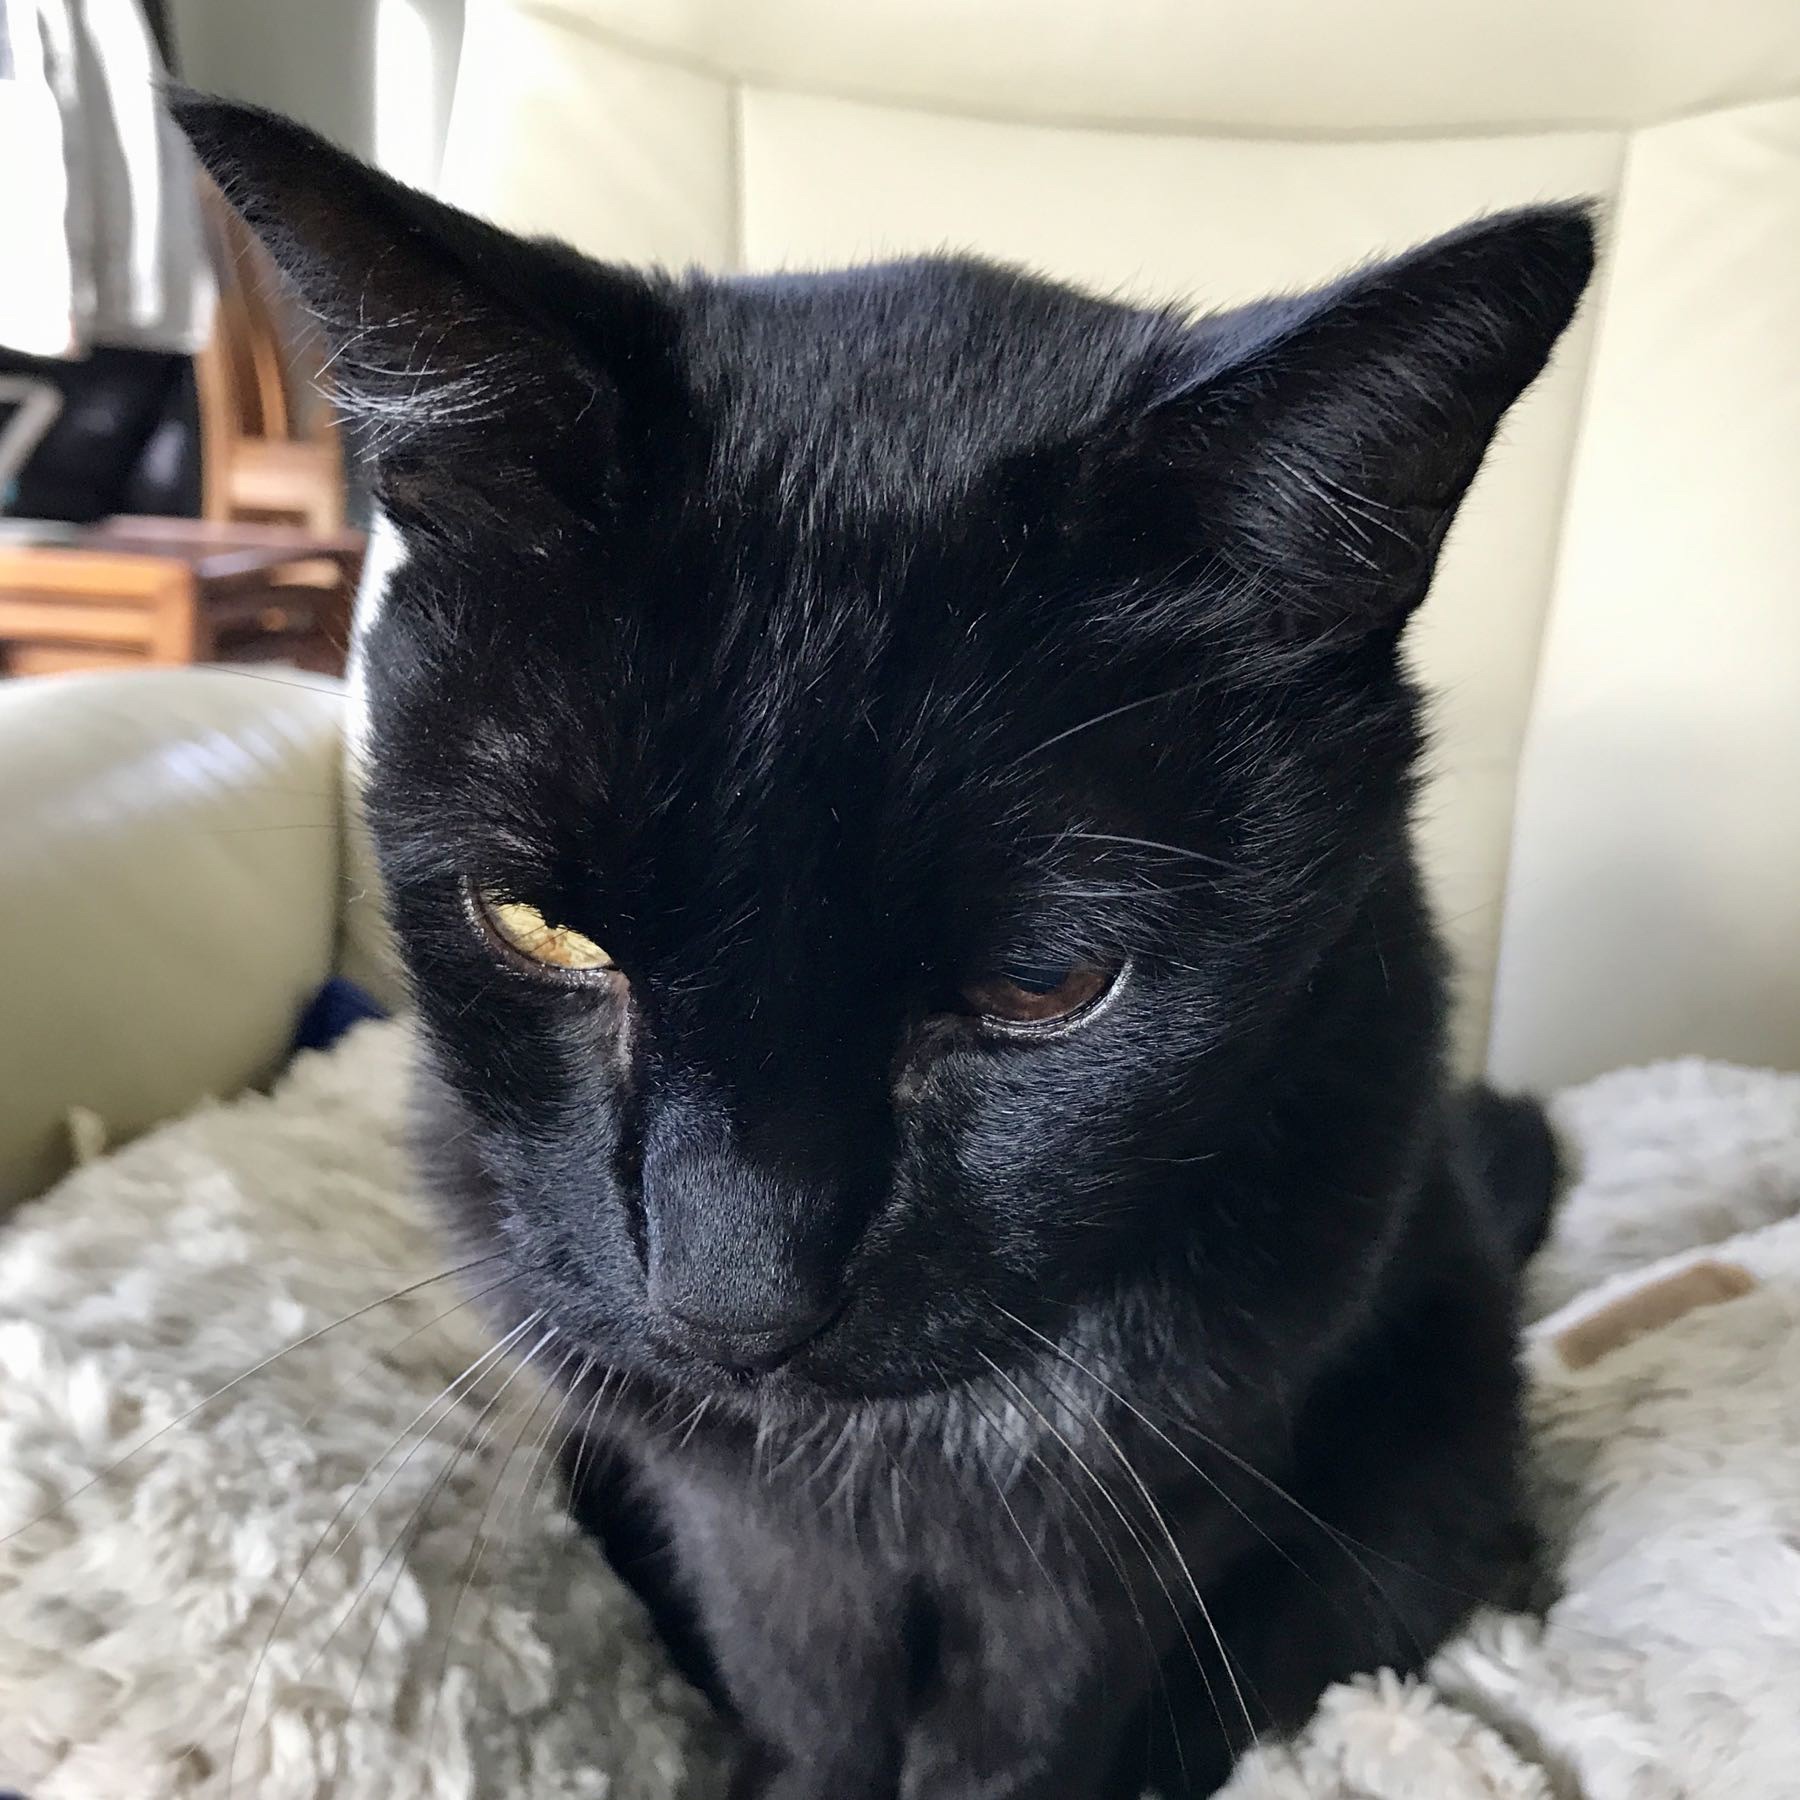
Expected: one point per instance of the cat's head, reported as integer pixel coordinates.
(886, 780)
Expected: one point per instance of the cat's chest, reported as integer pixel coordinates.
(907, 1493)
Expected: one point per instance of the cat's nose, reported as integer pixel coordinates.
(754, 1345)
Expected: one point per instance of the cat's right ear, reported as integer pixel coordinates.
(450, 341)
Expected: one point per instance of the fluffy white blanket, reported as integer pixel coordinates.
(276, 1594)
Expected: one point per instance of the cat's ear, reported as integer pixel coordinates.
(1327, 440)
(467, 355)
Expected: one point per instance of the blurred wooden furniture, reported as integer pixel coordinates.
(133, 592)
(269, 448)
(268, 573)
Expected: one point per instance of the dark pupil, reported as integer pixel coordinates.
(1039, 978)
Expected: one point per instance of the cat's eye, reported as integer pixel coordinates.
(521, 928)
(1034, 994)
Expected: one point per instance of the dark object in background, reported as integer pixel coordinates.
(156, 16)
(127, 439)
(332, 1011)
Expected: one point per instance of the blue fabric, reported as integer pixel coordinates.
(337, 1006)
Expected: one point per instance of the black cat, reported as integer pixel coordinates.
(893, 792)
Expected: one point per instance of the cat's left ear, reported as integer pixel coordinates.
(453, 343)
(1319, 446)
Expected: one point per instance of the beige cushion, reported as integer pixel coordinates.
(170, 892)
(1615, 637)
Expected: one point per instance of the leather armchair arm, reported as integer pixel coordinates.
(171, 876)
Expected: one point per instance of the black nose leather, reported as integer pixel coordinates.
(752, 1347)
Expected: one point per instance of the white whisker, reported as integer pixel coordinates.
(356, 1600)
(482, 1536)
(1136, 1536)
(237, 1381)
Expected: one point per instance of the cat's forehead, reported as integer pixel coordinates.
(703, 718)
(897, 387)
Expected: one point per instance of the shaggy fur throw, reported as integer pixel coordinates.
(233, 1568)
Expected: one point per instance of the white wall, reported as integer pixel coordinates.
(372, 75)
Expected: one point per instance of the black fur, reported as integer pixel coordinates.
(819, 645)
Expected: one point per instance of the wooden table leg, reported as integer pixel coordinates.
(178, 634)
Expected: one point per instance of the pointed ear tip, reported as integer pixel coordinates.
(198, 113)
(212, 127)
(1571, 228)
(223, 132)
(1561, 239)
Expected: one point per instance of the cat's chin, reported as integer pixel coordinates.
(789, 1392)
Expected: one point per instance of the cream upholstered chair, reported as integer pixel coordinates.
(1613, 826)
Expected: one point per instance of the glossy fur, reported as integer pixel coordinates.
(819, 644)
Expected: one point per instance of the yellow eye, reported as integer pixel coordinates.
(521, 927)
